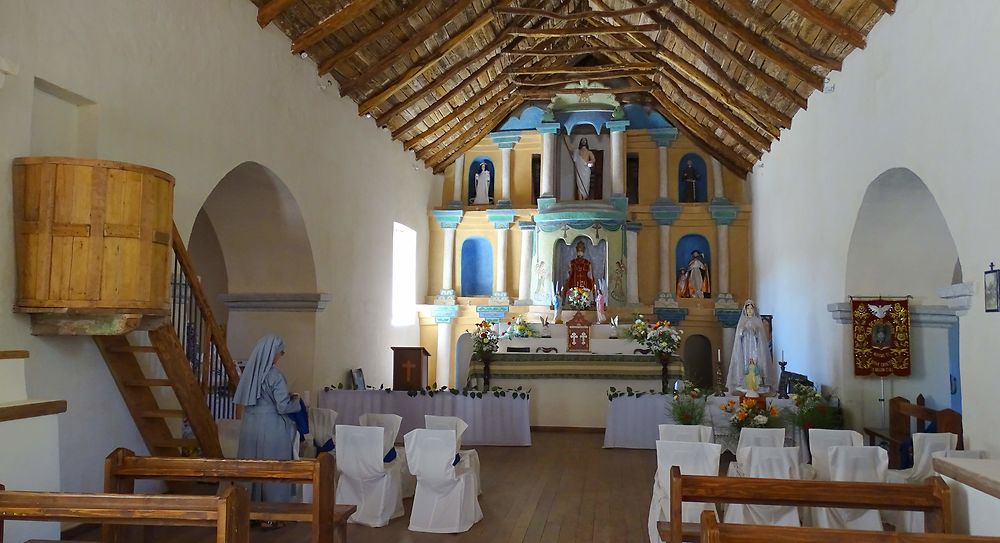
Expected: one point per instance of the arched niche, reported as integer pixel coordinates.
(477, 267)
(698, 360)
(475, 168)
(596, 253)
(686, 246)
(252, 228)
(695, 163)
(901, 245)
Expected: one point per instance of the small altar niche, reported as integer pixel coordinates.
(687, 247)
(692, 167)
(477, 267)
(482, 178)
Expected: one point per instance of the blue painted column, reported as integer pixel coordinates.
(505, 141)
(448, 220)
(665, 212)
(546, 188)
(524, 279)
(724, 213)
(501, 220)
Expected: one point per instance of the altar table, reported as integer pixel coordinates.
(575, 366)
(492, 421)
(633, 423)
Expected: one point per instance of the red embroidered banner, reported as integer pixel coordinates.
(881, 336)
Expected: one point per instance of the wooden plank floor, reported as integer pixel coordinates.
(563, 488)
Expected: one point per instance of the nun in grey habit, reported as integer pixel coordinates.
(266, 433)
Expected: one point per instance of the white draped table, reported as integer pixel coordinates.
(633, 423)
(492, 420)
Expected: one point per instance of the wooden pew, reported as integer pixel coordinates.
(932, 497)
(228, 512)
(714, 532)
(329, 520)
(901, 427)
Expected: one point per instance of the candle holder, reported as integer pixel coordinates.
(783, 390)
(720, 390)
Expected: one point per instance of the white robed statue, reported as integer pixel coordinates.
(584, 161)
(751, 369)
(482, 185)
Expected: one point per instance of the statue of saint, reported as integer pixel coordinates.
(690, 179)
(584, 161)
(482, 185)
(601, 300)
(580, 273)
(751, 368)
(618, 290)
(699, 284)
(682, 283)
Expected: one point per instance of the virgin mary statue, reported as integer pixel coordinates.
(751, 369)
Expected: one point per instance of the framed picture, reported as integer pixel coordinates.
(991, 281)
(358, 378)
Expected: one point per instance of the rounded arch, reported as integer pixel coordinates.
(477, 266)
(692, 165)
(901, 245)
(474, 168)
(698, 360)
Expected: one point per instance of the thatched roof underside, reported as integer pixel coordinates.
(440, 75)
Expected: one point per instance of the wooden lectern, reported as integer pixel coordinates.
(409, 368)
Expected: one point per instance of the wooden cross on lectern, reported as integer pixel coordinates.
(409, 366)
(578, 334)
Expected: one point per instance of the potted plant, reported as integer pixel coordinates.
(814, 410)
(687, 405)
(485, 343)
(519, 327)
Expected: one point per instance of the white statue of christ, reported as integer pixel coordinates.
(482, 185)
(584, 160)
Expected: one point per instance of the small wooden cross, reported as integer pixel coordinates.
(409, 366)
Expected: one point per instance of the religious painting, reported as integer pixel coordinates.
(991, 281)
(358, 379)
(881, 332)
(694, 278)
(692, 179)
(581, 263)
(482, 176)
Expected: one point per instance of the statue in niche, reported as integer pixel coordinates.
(542, 285)
(482, 185)
(751, 369)
(690, 183)
(584, 161)
(618, 290)
(601, 300)
(580, 272)
(693, 280)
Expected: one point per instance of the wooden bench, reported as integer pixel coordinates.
(714, 532)
(228, 512)
(329, 520)
(901, 427)
(932, 497)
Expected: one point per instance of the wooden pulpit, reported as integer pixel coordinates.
(409, 368)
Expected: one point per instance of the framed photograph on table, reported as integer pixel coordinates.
(991, 281)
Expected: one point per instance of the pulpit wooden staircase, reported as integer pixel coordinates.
(197, 368)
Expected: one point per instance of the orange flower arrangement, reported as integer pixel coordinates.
(749, 413)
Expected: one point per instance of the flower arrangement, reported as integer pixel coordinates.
(750, 413)
(813, 410)
(580, 298)
(661, 338)
(688, 405)
(518, 327)
(485, 340)
(637, 330)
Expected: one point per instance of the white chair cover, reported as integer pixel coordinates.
(388, 422)
(767, 463)
(229, 436)
(693, 459)
(445, 500)
(858, 464)
(469, 458)
(365, 480)
(322, 423)
(821, 440)
(755, 437)
(687, 433)
(924, 447)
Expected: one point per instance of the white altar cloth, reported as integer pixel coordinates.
(633, 423)
(492, 421)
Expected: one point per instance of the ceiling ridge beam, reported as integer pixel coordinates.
(415, 40)
(439, 164)
(328, 64)
(578, 15)
(755, 41)
(552, 83)
(538, 93)
(830, 23)
(271, 10)
(577, 51)
(751, 68)
(421, 66)
(572, 31)
(332, 23)
(581, 70)
(772, 29)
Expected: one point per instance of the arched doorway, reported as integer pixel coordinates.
(698, 361)
(249, 242)
(901, 245)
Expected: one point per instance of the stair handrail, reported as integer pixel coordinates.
(215, 331)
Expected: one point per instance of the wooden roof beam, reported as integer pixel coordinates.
(494, 100)
(828, 22)
(331, 24)
(755, 41)
(577, 51)
(567, 81)
(593, 30)
(271, 10)
(888, 6)
(440, 161)
(358, 82)
(327, 65)
(582, 71)
(536, 93)
(457, 112)
(578, 15)
(772, 29)
(721, 47)
(418, 69)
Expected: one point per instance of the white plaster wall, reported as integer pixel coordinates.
(196, 88)
(206, 253)
(921, 96)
